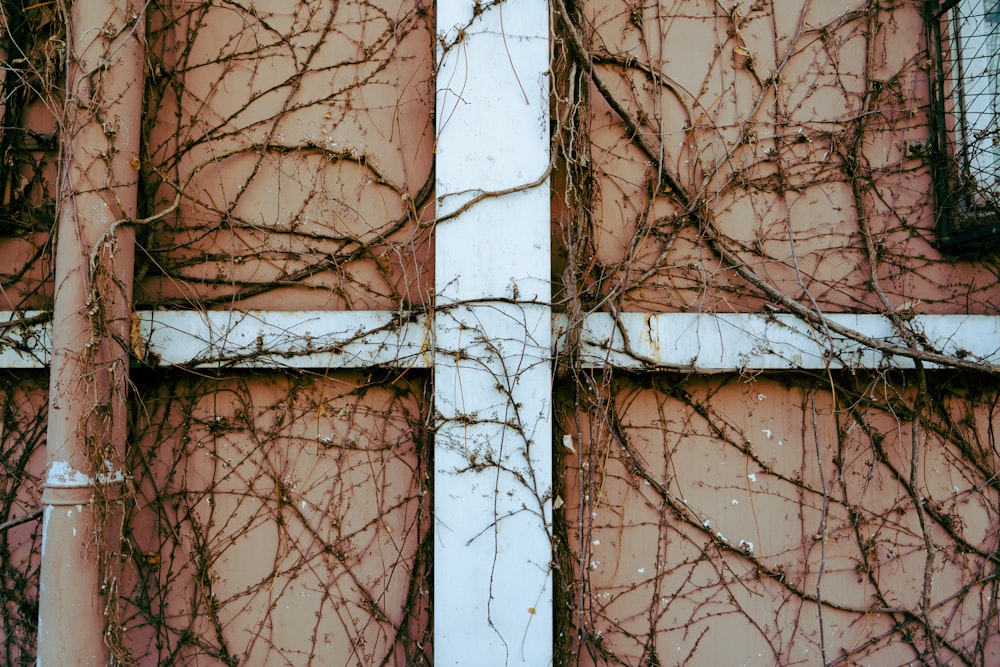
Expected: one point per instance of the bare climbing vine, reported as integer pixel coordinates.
(286, 160)
(22, 439)
(743, 157)
(708, 157)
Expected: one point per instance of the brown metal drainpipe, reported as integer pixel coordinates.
(87, 424)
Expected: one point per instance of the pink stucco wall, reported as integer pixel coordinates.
(280, 520)
(708, 515)
(791, 128)
(302, 139)
(283, 517)
(765, 519)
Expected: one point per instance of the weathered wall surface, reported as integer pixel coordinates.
(300, 140)
(280, 520)
(764, 157)
(22, 442)
(745, 157)
(31, 50)
(784, 520)
(724, 144)
(286, 163)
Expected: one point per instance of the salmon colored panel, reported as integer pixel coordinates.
(26, 275)
(758, 521)
(300, 139)
(22, 453)
(320, 232)
(282, 521)
(30, 90)
(790, 136)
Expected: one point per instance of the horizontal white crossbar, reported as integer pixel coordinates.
(707, 343)
(719, 343)
(250, 339)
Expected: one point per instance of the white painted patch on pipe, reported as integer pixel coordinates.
(64, 476)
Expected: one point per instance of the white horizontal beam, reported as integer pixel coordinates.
(704, 343)
(250, 339)
(734, 342)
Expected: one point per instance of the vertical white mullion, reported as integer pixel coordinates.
(493, 331)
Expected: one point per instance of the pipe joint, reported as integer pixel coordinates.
(65, 485)
(56, 496)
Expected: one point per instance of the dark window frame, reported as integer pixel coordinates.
(968, 214)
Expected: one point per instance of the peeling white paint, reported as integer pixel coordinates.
(110, 474)
(64, 476)
(46, 517)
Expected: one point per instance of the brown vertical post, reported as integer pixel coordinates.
(87, 427)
